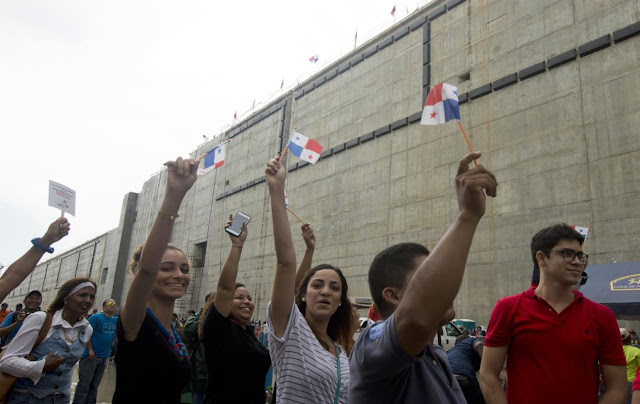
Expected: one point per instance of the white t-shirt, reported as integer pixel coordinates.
(305, 371)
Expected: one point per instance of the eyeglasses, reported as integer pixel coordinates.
(570, 255)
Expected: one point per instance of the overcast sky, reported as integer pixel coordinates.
(96, 95)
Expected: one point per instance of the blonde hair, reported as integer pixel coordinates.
(135, 260)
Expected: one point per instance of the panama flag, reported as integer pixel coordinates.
(304, 148)
(313, 59)
(584, 231)
(441, 106)
(213, 159)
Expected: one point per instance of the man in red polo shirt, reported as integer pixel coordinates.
(552, 336)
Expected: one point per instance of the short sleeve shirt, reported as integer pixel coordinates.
(104, 329)
(383, 372)
(305, 372)
(557, 350)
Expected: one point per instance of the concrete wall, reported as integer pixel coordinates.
(548, 93)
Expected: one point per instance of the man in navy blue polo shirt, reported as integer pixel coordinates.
(394, 360)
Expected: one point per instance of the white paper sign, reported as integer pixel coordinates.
(62, 197)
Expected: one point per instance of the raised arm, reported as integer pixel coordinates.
(223, 300)
(435, 284)
(284, 282)
(19, 270)
(305, 265)
(181, 174)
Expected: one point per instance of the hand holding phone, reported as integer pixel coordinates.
(234, 226)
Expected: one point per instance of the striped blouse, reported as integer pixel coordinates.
(305, 371)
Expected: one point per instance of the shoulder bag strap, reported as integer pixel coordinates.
(337, 396)
(44, 330)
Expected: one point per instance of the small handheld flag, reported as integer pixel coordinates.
(313, 59)
(304, 148)
(441, 105)
(213, 159)
(584, 231)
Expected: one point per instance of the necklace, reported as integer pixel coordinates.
(68, 339)
(174, 339)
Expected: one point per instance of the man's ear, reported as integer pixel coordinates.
(542, 260)
(392, 295)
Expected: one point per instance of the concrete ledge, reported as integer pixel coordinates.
(627, 32)
(352, 143)
(366, 138)
(385, 43)
(417, 24)
(505, 81)
(531, 71)
(357, 60)
(292, 167)
(302, 164)
(370, 52)
(463, 98)
(454, 3)
(401, 33)
(425, 93)
(437, 12)
(400, 123)
(594, 46)
(344, 67)
(332, 75)
(325, 153)
(415, 117)
(320, 82)
(561, 59)
(479, 92)
(338, 149)
(381, 131)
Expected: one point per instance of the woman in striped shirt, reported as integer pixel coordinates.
(310, 366)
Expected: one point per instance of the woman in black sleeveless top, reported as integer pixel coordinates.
(152, 364)
(237, 362)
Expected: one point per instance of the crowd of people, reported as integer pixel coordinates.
(558, 345)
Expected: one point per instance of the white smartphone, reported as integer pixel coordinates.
(236, 224)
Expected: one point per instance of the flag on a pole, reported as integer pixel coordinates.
(304, 148)
(355, 40)
(213, 159)
(313, 59)
(282, 83)
(584, 231)
(235, 115)
(441, 105)
(393, 10)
